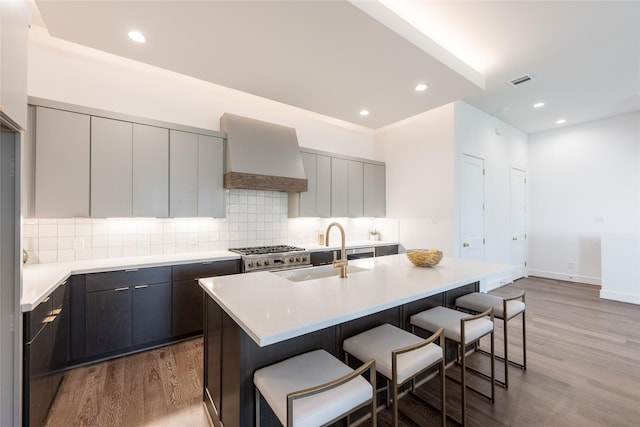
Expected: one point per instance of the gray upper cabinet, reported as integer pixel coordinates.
(90, 162)
(196, 164)
(374, 190)
(61, 163)
(339, 187)
(323, 186)
(14, 35)
(111, 167)
(356, 187)
(210, 176)
(316, 201)
(308, 199)
(150, 171)
(183, 174)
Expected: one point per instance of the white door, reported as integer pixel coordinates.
(519, 244)
(472, 208)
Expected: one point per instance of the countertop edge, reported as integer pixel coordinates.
(55, 274)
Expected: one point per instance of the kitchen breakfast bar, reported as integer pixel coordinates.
(256, 319)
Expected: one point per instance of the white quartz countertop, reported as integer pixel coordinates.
(271, 308)
(39, 280)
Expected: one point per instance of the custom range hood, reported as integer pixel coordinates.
(261, 155)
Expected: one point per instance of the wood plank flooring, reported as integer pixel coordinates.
(583, 370)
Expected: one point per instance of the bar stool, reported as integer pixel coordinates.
(314, 389)
(463, 329)
(400, 356)
(505, 309)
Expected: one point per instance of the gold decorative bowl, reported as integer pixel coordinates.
(424, 257)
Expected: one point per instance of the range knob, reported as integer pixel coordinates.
(267, 262)
(250, 264)
(304, 259)
(297, 259)
(292, 259)
(258, 263)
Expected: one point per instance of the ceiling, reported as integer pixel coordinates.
(339, 57)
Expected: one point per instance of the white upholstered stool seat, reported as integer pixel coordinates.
(284, 386)
(449, 319)
(505, 309)
(399, 356)
(479, 302)
(463, 329)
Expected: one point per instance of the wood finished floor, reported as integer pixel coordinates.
(583, 370)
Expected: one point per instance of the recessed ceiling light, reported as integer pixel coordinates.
(421, 87)
(561, 122)
(364, 112)
(538, 105)
(137, 36)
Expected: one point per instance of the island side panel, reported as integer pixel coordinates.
(241, 357)
(213, 359)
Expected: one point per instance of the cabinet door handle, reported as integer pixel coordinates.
(126, 288)
(465, 245)
(130, 270)
(141, 286)
(49, 319)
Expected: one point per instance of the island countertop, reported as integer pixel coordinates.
(270, 308)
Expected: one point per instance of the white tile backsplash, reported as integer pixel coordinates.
(253, 218)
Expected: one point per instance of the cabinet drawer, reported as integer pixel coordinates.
(36, 318)
(205, 269)
(123, 278)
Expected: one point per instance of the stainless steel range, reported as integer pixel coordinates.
(271, 258)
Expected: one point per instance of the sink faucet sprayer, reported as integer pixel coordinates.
(342, 262)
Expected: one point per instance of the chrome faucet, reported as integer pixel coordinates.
(342, 262)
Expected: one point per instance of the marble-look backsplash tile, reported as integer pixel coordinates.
(254, 218)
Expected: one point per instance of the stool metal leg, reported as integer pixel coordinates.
(257, 405)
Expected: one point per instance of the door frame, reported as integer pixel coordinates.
(11, 310)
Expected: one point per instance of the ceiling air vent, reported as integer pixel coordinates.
(520, 80)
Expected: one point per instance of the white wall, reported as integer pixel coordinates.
(502, 147)
(584, 183)
(67, 72)
(422, 156)
(418, 153)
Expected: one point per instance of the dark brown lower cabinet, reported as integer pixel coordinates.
(151, 313)
(40, 380)
(108, 326)
(188, 296)
(187, 303)
(45, 355)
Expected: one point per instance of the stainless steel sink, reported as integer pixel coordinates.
(311, 273)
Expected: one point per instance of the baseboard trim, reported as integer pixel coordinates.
(596, 281)
(616, 296)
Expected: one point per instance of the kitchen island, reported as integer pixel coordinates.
(256, 319)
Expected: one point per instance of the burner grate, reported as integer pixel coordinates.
(261, 250)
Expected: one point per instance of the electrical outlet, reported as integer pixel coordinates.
(78, 243)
